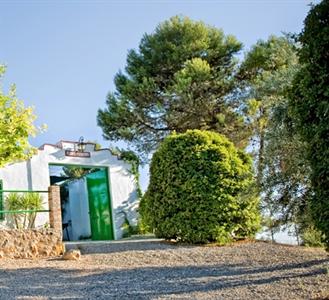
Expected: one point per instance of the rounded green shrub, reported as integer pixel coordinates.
(200, 190)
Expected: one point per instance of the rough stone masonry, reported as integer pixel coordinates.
(30, 243)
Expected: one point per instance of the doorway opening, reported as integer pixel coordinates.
(85, 201)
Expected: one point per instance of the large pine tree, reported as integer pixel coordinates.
(181, 77)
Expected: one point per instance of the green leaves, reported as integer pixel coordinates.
(200, 188)
(195, 69)
(267, 72)
(16, 126)
(309, 107)
(180, 78)
(26, 201)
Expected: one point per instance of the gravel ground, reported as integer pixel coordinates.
(158, 270)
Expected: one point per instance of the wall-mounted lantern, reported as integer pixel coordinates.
(81, 145)
(79, 149)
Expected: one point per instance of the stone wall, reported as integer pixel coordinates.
(30, 243)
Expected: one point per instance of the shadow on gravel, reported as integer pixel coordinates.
(121, 246)
(146, 283)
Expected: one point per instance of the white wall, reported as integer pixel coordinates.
(19, 176)
(34, 175)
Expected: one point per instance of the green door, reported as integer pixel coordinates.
(99, 206)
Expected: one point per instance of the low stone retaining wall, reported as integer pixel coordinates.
(30, 243)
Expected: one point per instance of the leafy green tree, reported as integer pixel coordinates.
(16, 126)
(266, 72)
(310, 108)
(181, 77)
(286, 187)
(200, 190)
(282, 170)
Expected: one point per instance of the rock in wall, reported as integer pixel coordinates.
(30, 243)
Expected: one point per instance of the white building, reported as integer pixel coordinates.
(97, 204)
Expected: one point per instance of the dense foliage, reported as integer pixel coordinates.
(267, 72)
(16, 126)
(310, 108)
(200, 190)
(185, 76)
(181, 77)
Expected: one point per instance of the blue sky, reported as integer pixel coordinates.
(63, 55)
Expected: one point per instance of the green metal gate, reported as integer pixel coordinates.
(99, 206)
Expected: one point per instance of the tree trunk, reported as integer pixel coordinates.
(261, 128)
(260, 166)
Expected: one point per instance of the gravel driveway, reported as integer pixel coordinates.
(158, 270)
